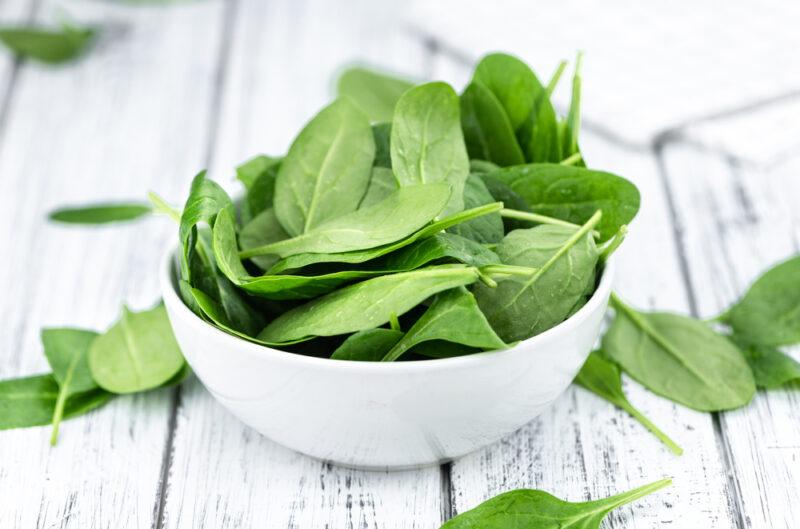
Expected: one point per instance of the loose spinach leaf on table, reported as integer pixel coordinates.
(399, 215)
(31, 401)
(486, 229)
(370, 345)
(453, 316)
(327, 169)
(100, 213)
(771, 367)
(769, 312)
(258, 176)
(137, 353)
(306, 259)
(603, 378)
(427, 144)
(382, 133)
(375, 93)
(52, 46)
(382, 183)
(366, 305)
(573, 194)
(66, 351)
(487, 130)
(679, 358)
(536, 509)
(523, 307)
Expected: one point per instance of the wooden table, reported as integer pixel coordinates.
(170, 90)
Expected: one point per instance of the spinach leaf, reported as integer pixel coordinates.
(603, 378)
(453, 316)
(441, 349)
(512, 82)
(502, 193)
(427, 144)
(137, 353)
(523, 307)
(771, 367)
(679, 358)
(487, 129)
(100, 213)
(536, 509)
(367, 346)
(301, 260)
(52, 46)
(258, 176)
(375, 93)
(399, 215)
(31, 401)
(539, 134)
(382, 183)
(437, 247)
(482, 166)
(769, 312)
(382, 132)
(573, 194)
(66, 351)
(484, 229)
(366, 305)
(327, 169)
(262, 230)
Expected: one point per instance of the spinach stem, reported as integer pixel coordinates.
(394, 322)
(655, 430)
(612, 246)
(486, 279)
(510, 270)
(551, 85)
(162, 206)
(572, 159)
(541, 219)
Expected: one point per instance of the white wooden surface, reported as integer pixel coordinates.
(169, 90)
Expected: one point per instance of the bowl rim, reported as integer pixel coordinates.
(173, 301)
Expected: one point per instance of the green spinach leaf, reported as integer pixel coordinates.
(487, 228)
(487, 129)
(573, 194)
(264, 229)
(453, 316)
(769, 312)
(382, 133)
(258, 176)
(536, 509)
(427, 144)
(100, 213)
(375, 93)
(512, 82)
(52, 46)
(370, 345)
(603, 378)
(137, 353)
(382, 183)
(679, 358)
(771, 367)
(327, 169)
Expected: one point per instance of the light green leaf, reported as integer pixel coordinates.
(100, 213)
(51, 46)
(367, 346)
(374, 92)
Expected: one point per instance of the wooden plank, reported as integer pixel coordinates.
(131, 115)
(737, 221)
(585, 448)
(280, 69)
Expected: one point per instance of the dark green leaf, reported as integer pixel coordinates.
(603, 378)
(502, 193)
(485, 229)
(263, 229)
(100, 213)
(382, 133)
(679, 358)
(375, 93)
(441, 349)
(439, 246)
(536, 509)
(487, 129)
(382, 183)
(367, 346)
(512, 82)
(51, 46)
(258, 176)
(771, 367)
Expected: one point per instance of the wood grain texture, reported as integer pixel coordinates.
(735, 222)
(223, 474)
(106, 127)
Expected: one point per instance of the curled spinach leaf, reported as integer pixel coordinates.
(374, 92)
(487, 129)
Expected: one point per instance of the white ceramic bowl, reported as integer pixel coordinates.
(385, 415)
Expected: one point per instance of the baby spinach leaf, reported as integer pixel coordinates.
(382, 183)
(512, 82)
(30, 401)
(679, 358)
(484, 229)
(382, 132)
(375, 93)
(771, 367)
(327, 169)
(502, 193)
(487, 129)
(251, 170)
(439, 246)
(258, 176)
(539, 134)
(536, 509)
(427, 144)
(769, 312)
(523, 307)
(482, 166)
(603, 378)
(52, 46)
(100, 213)
(441, 349)
(453, 316)
(367, 304)
(66, 351)
(263, 229)
(399, 215)
(137, 353)
(301, 260)
(367, 346)
(573, 194)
